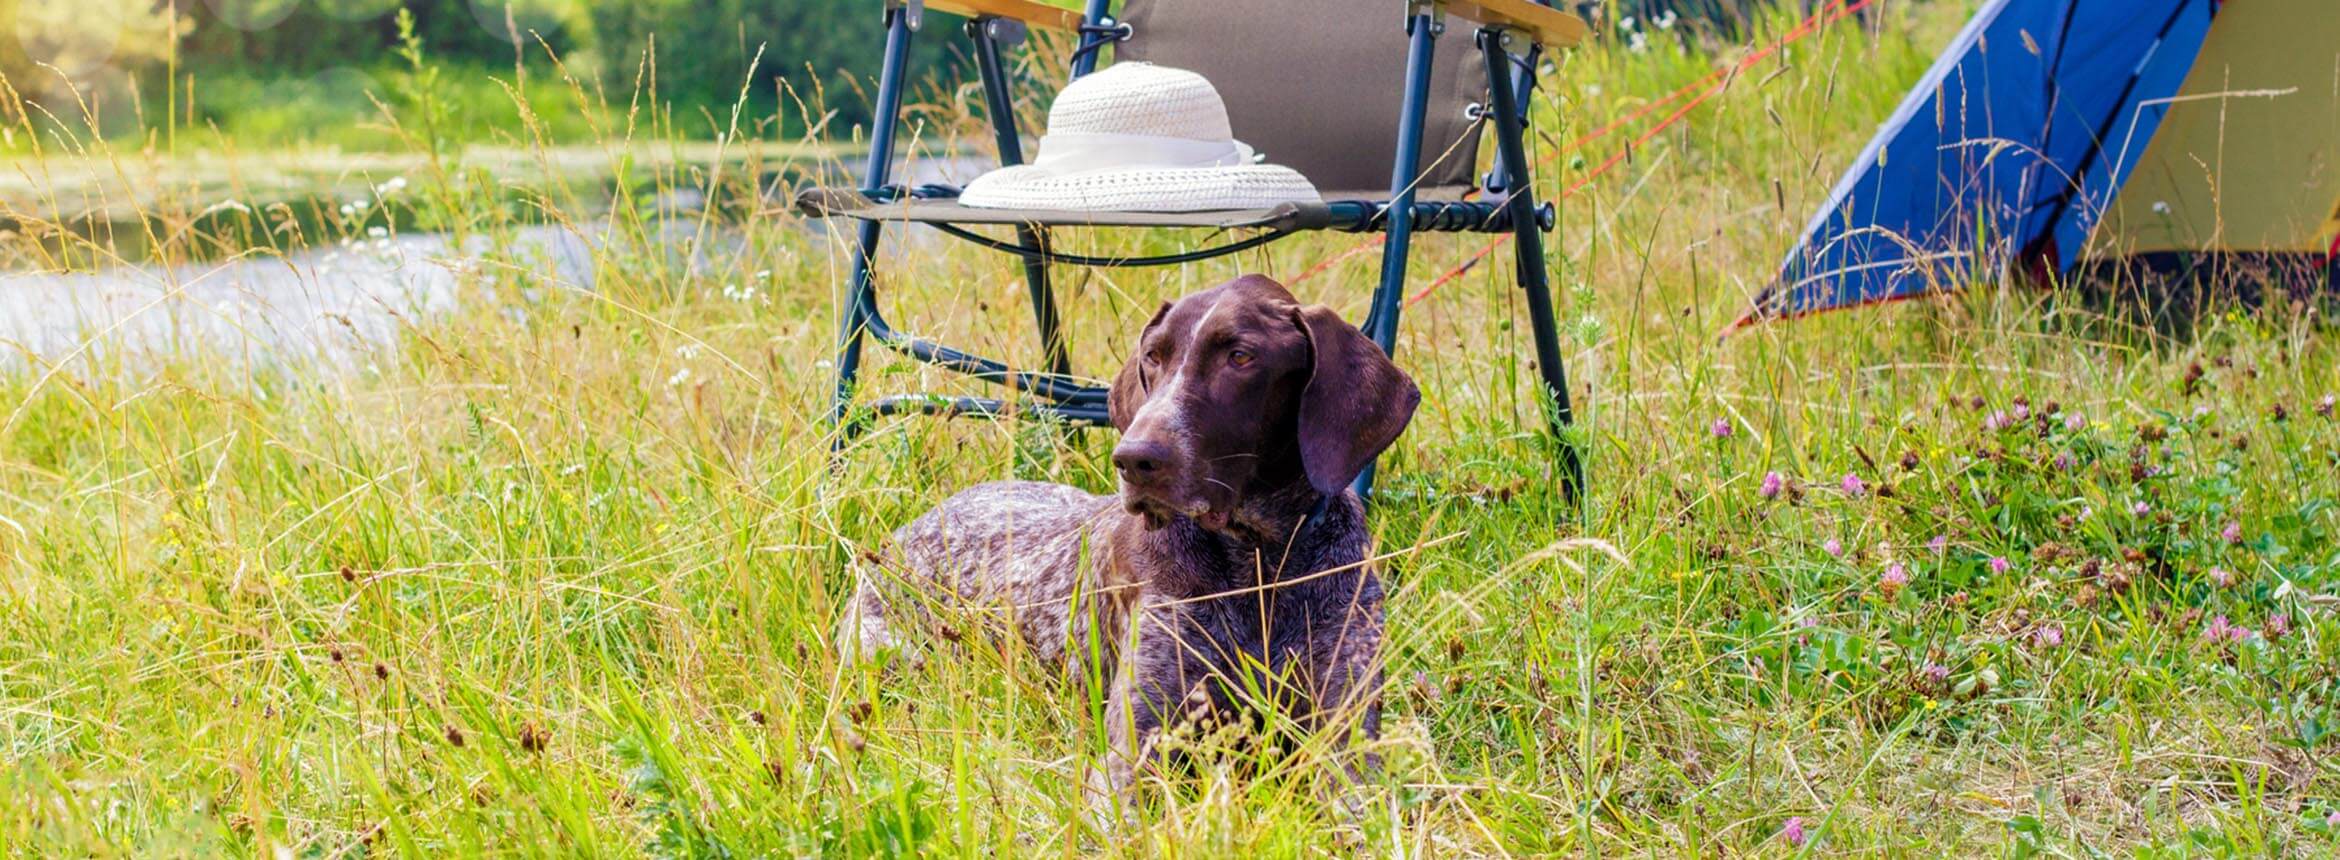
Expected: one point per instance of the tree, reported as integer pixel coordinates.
(48, 48)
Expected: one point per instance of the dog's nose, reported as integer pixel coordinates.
(1140, 461)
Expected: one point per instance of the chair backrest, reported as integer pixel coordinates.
(1317, 85)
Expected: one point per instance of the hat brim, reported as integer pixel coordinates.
(1140, 189)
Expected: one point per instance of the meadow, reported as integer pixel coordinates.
(1999, 573)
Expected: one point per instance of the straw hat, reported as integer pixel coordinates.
(1138, 137)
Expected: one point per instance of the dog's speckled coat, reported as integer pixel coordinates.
(1234, 547)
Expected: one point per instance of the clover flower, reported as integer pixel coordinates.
(1854, 486)
(1895, 576)
(1772, 484)
(2000, 565)
(1721, 429)
(2047, 636)
(1793, 831)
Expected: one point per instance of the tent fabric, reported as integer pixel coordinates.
(2248, 156)
(2011, 147)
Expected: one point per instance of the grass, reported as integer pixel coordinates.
(524, 585)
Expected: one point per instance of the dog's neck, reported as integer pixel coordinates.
(1270, 520)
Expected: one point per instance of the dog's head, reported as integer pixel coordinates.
(1239, 391)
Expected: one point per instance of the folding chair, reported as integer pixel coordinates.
(1348, 92)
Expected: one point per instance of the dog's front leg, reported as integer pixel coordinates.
(1347, 674)
(1155, 684)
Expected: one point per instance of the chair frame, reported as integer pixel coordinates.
(1511, 43)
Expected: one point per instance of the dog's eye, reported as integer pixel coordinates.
(1239, 358)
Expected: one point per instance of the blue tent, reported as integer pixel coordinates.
(2017, 143)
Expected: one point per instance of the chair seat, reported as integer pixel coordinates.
(1439, 209)
(850, 203)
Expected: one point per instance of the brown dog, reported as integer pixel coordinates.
(1231, 565)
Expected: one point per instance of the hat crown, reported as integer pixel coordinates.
(1142, 99)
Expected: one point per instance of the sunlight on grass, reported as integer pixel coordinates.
(553, 570)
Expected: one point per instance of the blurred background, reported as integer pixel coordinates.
(276, 72)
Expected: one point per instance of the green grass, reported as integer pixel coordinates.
(520, 586)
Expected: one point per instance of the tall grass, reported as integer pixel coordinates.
(554, 574)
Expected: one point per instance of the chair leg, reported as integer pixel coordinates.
(860, 299)
(1381, 323)
(860, 295)
(989, 36)
(1528, 246)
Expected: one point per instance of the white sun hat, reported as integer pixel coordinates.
(1138, 137)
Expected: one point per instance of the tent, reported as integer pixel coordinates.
(2056, 135)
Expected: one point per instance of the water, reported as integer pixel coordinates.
(311, 308)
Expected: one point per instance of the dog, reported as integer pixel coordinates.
(1233, 560)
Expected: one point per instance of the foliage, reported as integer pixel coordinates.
(44, 44)
(550, 567)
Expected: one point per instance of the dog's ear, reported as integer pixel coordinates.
(1356, 403)
(1129, 386)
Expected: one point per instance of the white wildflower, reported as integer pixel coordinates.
(1666, 20)
(679, 377)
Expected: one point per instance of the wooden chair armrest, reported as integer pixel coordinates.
(1548, 26)
(1027, 11)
